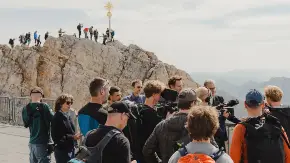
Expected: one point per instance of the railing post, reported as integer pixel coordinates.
(228, 127)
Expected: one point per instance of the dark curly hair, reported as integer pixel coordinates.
(61, 100)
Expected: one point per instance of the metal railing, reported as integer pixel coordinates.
(11, 108)
(230, 127)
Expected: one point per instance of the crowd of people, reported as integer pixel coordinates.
(132, 130)
(25, 39)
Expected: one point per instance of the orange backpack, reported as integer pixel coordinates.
(198, 157)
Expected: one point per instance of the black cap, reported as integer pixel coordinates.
(120, 107)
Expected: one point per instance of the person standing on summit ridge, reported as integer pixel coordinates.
(86, 30)
(91, 30)
(28, 38)
(38, 41)
(35, 38)
(60, 32)
(11, 42)
(96, 34)
(46, 35)
(79, 27)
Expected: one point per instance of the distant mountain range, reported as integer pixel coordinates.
(235, 84)
(239, 77)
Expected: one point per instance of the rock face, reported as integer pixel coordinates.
(67, 65)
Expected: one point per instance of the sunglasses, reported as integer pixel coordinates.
(139, 87)
(69, 103)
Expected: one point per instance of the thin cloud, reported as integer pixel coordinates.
(200, 35)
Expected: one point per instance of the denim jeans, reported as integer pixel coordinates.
(38, 153)
(63, 156)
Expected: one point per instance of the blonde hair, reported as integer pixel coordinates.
(201, 92)
(273, 93)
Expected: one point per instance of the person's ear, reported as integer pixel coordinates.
(245, 105)
(122, 116)
(263, 104)
(102, 91)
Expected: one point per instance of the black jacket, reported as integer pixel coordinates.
(221, 133)
(62, 131)
(164, 137)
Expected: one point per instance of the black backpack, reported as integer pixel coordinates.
(93, 154)
(264, 140)
(134, 129)
(138, 112)
(283, 115)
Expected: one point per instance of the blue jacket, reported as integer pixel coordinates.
(90, 116)
(35, 36)
(137, 99)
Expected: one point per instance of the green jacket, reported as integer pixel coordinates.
(40, 122)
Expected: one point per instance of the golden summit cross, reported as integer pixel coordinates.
(109, 6)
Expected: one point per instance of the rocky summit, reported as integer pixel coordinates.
(67, 65)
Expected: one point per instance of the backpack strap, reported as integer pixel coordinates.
(29, 115)
(39, 107)
(215, 156)
(140, 109)
(183, 151)
(285, 139)
(102, 144)
(86, 136)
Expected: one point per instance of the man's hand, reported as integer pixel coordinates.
(226, 114)
(267, 111)
(134, 161)
(77, 136)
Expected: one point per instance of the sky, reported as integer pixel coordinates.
(193, 35)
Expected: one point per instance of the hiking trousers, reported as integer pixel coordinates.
(80, 33)
(38, 153)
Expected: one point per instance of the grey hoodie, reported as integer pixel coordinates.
(163, 138)
(205, 148)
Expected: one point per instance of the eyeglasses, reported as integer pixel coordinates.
(69, 102)
(139, 87)
(212, 88)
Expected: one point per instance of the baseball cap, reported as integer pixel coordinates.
(36, 90)
(120, 107)
(187, 95)
(254, 98)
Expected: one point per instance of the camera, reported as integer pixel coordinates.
(229, 106)
(168, 104)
